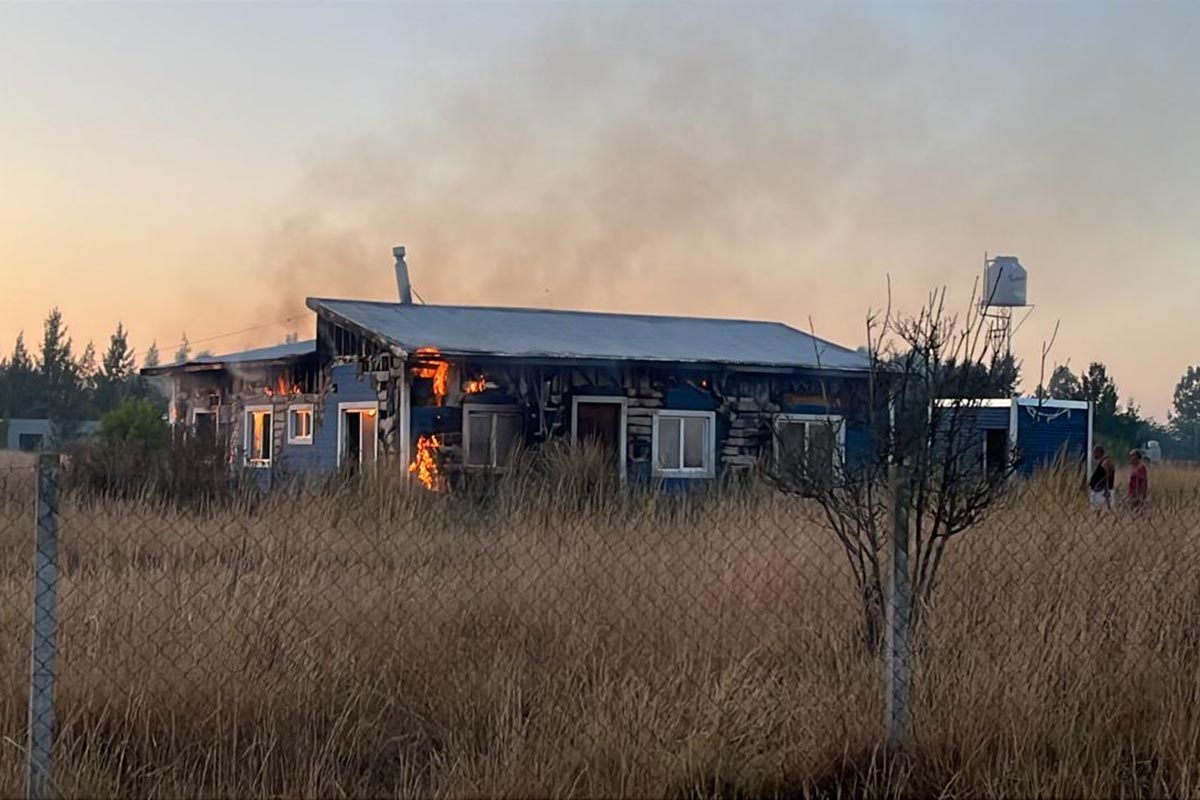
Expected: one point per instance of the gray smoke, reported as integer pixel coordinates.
(773, 161)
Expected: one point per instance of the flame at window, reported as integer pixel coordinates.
(434, 367)
(281, 388)
(476, 386)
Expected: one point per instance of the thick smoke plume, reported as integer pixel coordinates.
(772, 162)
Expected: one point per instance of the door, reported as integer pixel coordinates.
(359, 437)
(995, 452)
(598, 423)
(352, 448)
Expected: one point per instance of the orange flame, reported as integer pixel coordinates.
(438, 370)
(476, 386)
(281, 388)
(425, 464)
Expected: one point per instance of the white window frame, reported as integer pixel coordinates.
(596, 398)
(292, 438)
(357, 406)
(247, 434)
(808, 420)
(709, 470)
(483, 408)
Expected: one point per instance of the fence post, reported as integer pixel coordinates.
(899, 610)
(45, 595)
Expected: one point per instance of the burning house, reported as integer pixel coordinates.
(441, 391)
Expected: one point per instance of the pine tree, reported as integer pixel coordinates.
(1185, 416)
(1064, 385)
(20, 357)
(1098, 387)
(117, 368)
(152, 359)
(87, 380)
(19, 382)
(185, 350)
(57, 371)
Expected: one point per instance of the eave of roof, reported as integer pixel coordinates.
(260, 356)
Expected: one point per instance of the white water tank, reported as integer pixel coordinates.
(1005, 283)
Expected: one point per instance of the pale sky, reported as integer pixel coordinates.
(205, 167)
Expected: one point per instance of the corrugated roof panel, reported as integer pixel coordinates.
(544, 333)
(272, 353)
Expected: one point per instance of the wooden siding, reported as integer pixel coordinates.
(356, 369)
(745, 406)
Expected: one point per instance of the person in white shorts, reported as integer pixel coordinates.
(1102, 481)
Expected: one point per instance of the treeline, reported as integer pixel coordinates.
(57, 383)
(1121, 426)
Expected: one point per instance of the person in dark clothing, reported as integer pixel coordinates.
(1102, 481)
(1139, 480)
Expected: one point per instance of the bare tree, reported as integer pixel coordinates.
(929, 374)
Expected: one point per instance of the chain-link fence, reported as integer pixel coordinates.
(542, 638)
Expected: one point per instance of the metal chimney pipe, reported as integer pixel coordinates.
(402, 283)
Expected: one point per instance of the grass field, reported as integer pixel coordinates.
(551, 641)
(13, 459)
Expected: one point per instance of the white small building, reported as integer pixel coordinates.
(38, 435)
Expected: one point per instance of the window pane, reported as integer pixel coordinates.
(260, 435)
(301, 423)
(479, 439)
(508, 436)
(792, 444)
(695, 441)
(254, 422)
(821, 442)
(668, 442)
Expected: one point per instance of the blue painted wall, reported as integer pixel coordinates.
(1043, 435)
(321, 456)
(992, 418)
(688, 398)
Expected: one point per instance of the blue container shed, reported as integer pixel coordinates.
(1041, 433)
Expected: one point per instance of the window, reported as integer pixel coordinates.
(491, 435)
(259, 436)
(810, 444)
(29, 442)
(204, 425)
(300, 425)
(683, 444)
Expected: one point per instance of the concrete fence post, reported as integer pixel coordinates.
(899, 614)
(45, 596)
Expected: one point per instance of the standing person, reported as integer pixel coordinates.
(1139, 480)
(1102, 481)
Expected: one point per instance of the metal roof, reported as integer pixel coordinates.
(585, 335)
(278, 352)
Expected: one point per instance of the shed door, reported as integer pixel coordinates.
(995, 451)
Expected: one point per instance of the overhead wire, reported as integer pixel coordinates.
(192, 342)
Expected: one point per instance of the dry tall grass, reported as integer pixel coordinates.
(548, 639)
